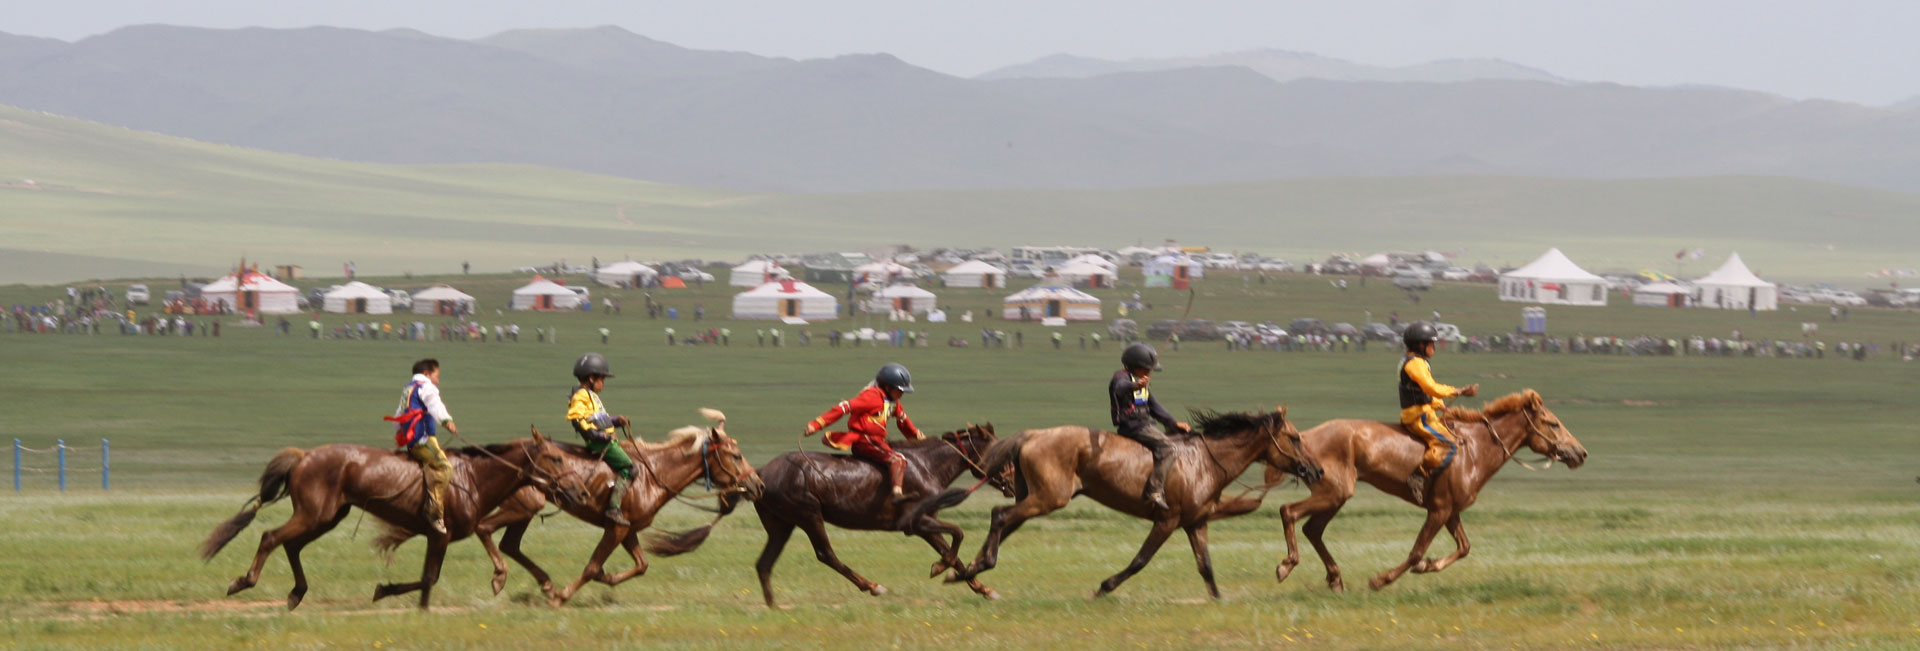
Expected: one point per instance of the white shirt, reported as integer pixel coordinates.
(429, 396)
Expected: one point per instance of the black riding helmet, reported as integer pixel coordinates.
(896, 376)
(1420, 333)
(1140, 355)
(589, 365)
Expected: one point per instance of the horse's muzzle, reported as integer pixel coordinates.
(1574, 457)
(1309, 473)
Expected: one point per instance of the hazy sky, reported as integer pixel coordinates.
(1864, 51)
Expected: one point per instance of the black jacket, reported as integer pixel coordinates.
(1134, 406)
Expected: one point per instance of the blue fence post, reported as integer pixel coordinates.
(62, 452)
(16, 465)
(104, 465)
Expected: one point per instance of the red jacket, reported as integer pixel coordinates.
(867, 416)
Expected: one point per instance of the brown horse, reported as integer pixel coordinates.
(327, 481)
(662, 470)
(1051, 466)
(809, 490)
(1383, 454)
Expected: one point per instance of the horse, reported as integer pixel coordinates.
(1051, 466)
(809, 490)
(1383, 454)
(327, 481)
(663, 470)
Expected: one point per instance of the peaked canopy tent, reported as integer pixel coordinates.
(543, 294)
(358, 298)
(1552, 279)
(442, 300)
(626, 273)
(1734, 287)
(252, 291)
(1086, 274)
(974, 273)
(901, 298)
(756, 273)
(1661, 295)
(881, 273)
(785, 299)
(1089, 258)
(1044, 301)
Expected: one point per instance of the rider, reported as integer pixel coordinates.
(1136, 415)
(420, 413)
(1421, 406)
(867, 415)
(591, 421)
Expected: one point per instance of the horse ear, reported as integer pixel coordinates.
(1283, 411)
(537, 436)
(1534, 400)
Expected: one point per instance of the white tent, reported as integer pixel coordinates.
(1734, 287)
(785, 299)
(974, 273)
(901, 298)
(543, 294)
(1555, 280)
(1661, 295)
(358, 298)
(1089, 258)
(252, 292)
(626, 273)
(757, 273)
(881, 273)
(1086, 273)
(1163, 270)
(1377, 261)
(442, 300)
(1044, 301)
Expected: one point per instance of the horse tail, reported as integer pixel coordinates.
(390, 538)
(927, 507)
(273, 488)
(1002, 453)
(671, 543)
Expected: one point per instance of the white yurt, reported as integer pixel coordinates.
(1089, 258)
(626, 273)
(756, 273)
(442, 300)
(881, 273)
(252, 291)
(974, 273)
(1734, 287)
(357, 298)
(1045, 301)
(1084, 273)
(784, 299)
(901, 298)
(1552, 279)
(1162, 271)
(543, 294)
(1662, 295)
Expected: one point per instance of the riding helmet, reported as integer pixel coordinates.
(1140, 355)
(591, 364)
(1420, 333)
(896, 376)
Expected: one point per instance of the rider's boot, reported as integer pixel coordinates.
(614, 497)
(1156, 492)
(435, 513)
(896, 474)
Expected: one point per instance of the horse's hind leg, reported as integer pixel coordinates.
(1461, 547)
(632, 544)
(595, 567)
(484, 532)
(778, 532)
(293, 556)
(1006, 520)
(1155, 538)
(304, 520)
(1427, 531)
(1197, 538)
(1317, 509)
(510, 545)
(823, 550)
(931, 530)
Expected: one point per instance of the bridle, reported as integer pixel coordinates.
(1533, 430)
(960, 445)
(1246, 489)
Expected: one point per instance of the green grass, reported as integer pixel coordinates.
(1727, 502)
(108, 202)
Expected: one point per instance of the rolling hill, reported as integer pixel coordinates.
(84, 200)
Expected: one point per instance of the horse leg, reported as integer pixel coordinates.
(777, 535)
(484, 531)
(1197, 538)
(1432, 526)
(510, 545)
(931, 529)
(595, 567)
(1289, 515)
(303, 521)
(823, 550)
(1311, 509)
(1155, 538)
(1006, 520)
(293, 556)
(1461, 547)
(429, 574)
(1315, 529)
(632, 545)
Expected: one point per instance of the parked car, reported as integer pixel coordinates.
(696, 275)
(1447, 331)
(138, 295)
(1456, 273)
(1378, 332)
(1412, 279)
(1307, 327)
(1190, 330)
(585, 294)
(1344, 329)
(401, 299)
(1236, 327)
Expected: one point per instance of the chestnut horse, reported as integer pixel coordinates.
(662, 471)
(1383, 454)
(327, 481)
(1051, 466)
(810, 490)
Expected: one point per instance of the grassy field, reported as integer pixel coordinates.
(1727, 502)
(107, 202)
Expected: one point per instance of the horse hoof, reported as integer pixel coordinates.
(499, 583)
(238, 584)
(380, 592)
(1377, 583)
(938, 567)
(1337, 585)
(877, 590)
(1097, 594)
(293, 600)
(991, 594)
(1280, 574)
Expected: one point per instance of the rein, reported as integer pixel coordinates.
(648, 465)
(1533, 429)
(1247, 489)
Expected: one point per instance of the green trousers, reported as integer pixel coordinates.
(615, 456)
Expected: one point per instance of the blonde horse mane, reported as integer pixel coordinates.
(1501, 406)
(691, 436)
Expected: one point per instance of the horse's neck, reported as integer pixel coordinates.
(673, 469)
(1228, 458)
(943, 461)
(1512, 434)
(493, 481)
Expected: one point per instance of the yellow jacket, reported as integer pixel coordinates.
(587, 415)
(1420, 374)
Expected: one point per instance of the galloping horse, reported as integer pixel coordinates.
(811, 489)
(1053, 465)
(664, 469)
(1383, 455)
(327, 481)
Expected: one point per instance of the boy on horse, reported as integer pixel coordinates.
(420, 413)
(590, 419)
(1136, 415)
(1422, 405)
(867, 415)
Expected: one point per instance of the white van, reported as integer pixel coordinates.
(138, 295)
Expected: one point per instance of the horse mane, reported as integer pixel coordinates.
(1501, 406)
(494, 449)
(1220, 424)
(691, 436)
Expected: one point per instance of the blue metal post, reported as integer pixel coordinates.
(16, 465)
(62, 451)
(104, 474)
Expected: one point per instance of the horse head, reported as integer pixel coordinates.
(1288, 450)
(972, 443)
(1547, 435)
(724, 464)
(547, 470)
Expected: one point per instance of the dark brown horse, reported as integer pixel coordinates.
(327, 481)
(809, 490)
(1382, 454)
(662, 470)
(1051, 466)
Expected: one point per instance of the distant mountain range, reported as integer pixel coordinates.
(609, 101)
(1280, 65)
